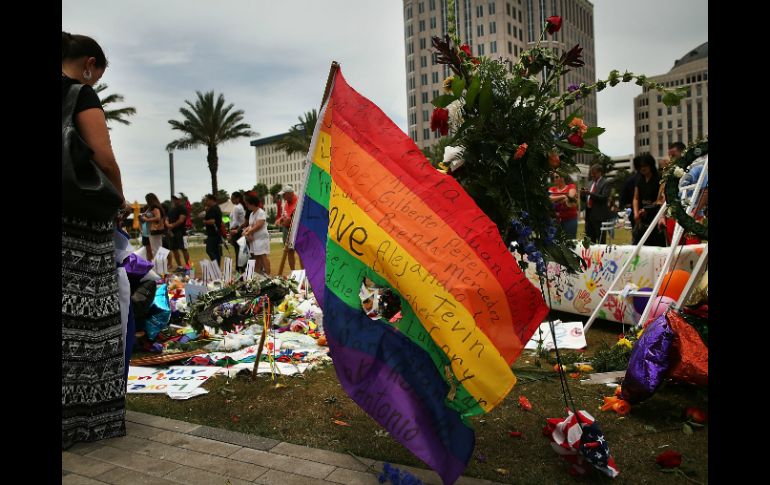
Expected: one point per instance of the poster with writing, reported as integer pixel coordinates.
(179, 379)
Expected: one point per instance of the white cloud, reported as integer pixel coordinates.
(271, 59)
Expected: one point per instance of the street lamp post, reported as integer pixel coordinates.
(171, 170)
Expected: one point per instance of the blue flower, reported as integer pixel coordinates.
(525, 214)
(526, 232)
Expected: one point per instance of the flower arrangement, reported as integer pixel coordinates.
(507, 121)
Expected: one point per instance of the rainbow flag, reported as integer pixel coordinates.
(375, 208)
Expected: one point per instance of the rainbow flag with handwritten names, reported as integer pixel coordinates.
(374, 207)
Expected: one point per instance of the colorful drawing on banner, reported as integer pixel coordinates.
(173, 379)
(635, 262)
(582, 300)
(375, 208)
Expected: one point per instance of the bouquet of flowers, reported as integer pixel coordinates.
(508, 133)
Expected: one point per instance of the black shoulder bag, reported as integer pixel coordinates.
(86, 190)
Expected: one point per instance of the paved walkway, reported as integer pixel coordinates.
(161, 451)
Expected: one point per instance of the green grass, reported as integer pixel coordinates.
(198, 253)
(303, 408)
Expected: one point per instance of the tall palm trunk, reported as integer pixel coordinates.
(213, 161)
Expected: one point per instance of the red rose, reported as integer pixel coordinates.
(669, 459)
(520, 151)
(696, 415)
(440, 121)
(467, 49)
(576, 140)
(554, 24)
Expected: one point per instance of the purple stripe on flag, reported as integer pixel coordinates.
(388, 398)
(313, 254)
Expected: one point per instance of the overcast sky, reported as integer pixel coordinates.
(271, 59)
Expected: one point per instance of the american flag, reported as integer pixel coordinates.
(578, 446)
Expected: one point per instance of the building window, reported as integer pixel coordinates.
(433, 22)
(435, 93)
(516, 50)
(412, 118)
(660, 111)
(521, 35)
(414, 135)
(669, 124)
(421, 7)
(409, 30)
(425, 133)
(432, 5)
(409, 48)
(660, 125)
(480, 30)
(422, 26)
(492, 28)
(698, 89)
(493, 47)
(668, 110)
(481, 49)
(530, 21)
(425, 100)
(435, 77)
(426, 116)
(510, 47)
(411, 65)
(508, 9)
(409, 12)
(423, 79)
(510, 29)
(423, 43)
(480, 11)
(423, 61)
(679, 123)
(412, 102)
(491, 8)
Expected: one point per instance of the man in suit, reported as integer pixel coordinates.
(595, 200)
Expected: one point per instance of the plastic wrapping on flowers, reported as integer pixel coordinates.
(509, 121)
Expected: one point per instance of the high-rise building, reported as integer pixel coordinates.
(656, 125)
(275, 167)
(500, 29)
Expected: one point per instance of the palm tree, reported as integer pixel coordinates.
(118, 115)
(209, 123)
(299, 137)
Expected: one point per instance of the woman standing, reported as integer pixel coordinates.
(564, 197)
(646, 204)
(93, 383)
(154, 216)
(257, 235)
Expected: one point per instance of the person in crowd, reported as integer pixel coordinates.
(155, 217)
(213, 222)
(93, 379)
(237, 223)
(563, 194)
(257, 235)
(596, 198)
(646, 204)
(146, 234)
(284, 222)
(175, 222)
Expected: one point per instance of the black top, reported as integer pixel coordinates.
(213, 212)
(173, 215)
(627, 194)
(87, 98)
(648, 191)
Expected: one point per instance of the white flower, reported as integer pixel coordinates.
(453, 157)
(455, 109)
(678, 172)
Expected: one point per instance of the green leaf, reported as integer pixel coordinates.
(572, 116)
(671, 99)
(444, 100)
(565, 146)
(458, 84)
(686, 428)
(696, 425)
(593, 132)
(473, 91)
(485, 98)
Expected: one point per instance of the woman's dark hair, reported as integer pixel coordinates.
(154, 203)
(77, 46)
(253, 199)
(647, 159)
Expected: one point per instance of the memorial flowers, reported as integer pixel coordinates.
(509, 121)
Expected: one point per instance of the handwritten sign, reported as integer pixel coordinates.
(150, 380)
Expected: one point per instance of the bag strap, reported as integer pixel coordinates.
(68, 105)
